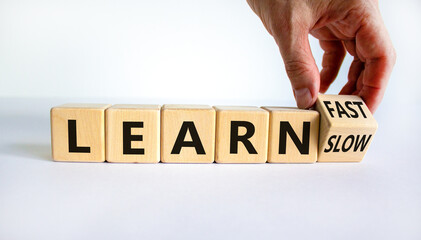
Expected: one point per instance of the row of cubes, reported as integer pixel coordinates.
(135, 133)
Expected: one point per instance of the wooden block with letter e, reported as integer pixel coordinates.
(241, 134)
(132, 132)
(347, 128)
(293, 135)
(78, 132)
(187, 134)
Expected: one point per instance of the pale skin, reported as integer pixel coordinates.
(353, 26)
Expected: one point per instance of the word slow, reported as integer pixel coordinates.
(340, 129)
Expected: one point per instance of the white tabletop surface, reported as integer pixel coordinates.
(379, 198)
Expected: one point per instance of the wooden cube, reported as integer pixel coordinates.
(78, 132)
(347, 128)
(241, 134)
(187, 134)
(293, 135)
(133, 133)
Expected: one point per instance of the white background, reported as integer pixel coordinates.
(212, 52)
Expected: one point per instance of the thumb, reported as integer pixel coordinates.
(299, 65)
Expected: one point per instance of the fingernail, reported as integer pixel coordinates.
(303, 98)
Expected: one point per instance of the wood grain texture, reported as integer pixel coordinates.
(225, 117)
(172, 119)
(347, 128)
(298, 119)
(149, 117)
(90, 132)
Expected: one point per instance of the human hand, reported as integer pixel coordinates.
(352, 25)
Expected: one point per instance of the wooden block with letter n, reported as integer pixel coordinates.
(241, 134)
(187, 134)
(293, 135)
(78, 132)
(133, 133)
(347, 128)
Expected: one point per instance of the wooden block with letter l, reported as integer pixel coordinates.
(132, 133)
(78, 132)
(241, 134)
(293, 135)
(347, 128)
(187, 134)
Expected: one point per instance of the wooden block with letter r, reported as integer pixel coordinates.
(241, 134)
(293, 135)
(133, 133)
(78, 132)
(347, 128)
(187, 134)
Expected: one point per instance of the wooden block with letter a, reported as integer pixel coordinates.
(133, 133)
(241, 134)
(347, 128)
(78, 132)
(187, 134)
(293, 135)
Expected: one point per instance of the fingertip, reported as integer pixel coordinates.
(372, 97)
(323, 88)
(304, 98)
(371, 104)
